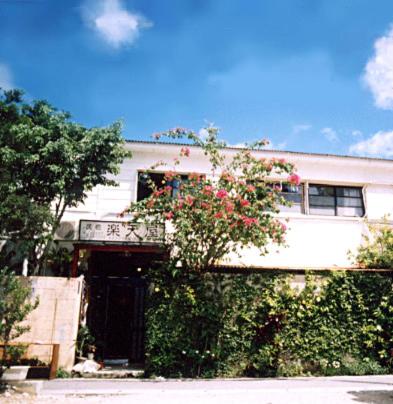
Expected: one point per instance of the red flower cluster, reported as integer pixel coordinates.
(294, 179)
(249, 221)
(221, 194)
(168, 215)
(185, 151)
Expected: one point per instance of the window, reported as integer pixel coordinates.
(335, 200)
(144, 189)
(294, 194)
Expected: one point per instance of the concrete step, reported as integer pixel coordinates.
(114, 373)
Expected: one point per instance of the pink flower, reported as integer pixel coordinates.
(189, 200)
(185, 151)
(250, 188)
(227, 177)
(294, 179)
(221, 194)
(168, 215)
(249, 221)
(244, 202)
(205, 205)
(277, 187)
(180, 204)
(207, 189)
(229, 207)
(283, 226)
(168, 189)
(169, 175)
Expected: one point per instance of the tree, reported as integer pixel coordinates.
(15, 305)
(207, 216)
(377, 249)
(214, 215)
(47, 164)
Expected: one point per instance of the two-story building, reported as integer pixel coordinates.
(337, 196)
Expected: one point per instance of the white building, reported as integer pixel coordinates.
(337, 197)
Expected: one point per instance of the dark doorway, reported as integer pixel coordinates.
(117, 291)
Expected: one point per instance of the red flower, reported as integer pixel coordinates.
(218, 215)
(221, 194)
(205, 205)
(229, 207)
(227, 177)
(189, 200)
(294, 179)
(168, 189)
(250, 188)
(185, 151)
(249, 221)
(169, 175)
(168, 215)
(244, 202)
(207, 189)
(180, 204)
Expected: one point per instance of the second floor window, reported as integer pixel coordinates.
(294, 194)
(144, 190)
(335, 200)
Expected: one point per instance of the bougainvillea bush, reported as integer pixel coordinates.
(231, 206)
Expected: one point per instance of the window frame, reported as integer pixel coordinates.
(335, 197)
(141, 171)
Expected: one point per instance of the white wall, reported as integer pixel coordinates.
(313, 241)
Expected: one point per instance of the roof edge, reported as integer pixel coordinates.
(153, 142)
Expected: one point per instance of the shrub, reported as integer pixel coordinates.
(15, 305)
(215, 324)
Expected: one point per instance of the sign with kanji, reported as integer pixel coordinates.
(122, 232)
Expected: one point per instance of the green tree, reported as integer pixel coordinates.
(15, 305)
(47, 164)
(377, 249)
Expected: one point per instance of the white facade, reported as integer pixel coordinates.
(314, 241)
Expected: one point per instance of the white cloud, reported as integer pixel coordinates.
(378, 74)
(380, 144)
(276, 146)
(301, 128)
(203, 133)
(113, 22)
(357, 133)
(6, 81)
(330, 134)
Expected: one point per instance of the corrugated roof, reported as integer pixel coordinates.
(154, 142)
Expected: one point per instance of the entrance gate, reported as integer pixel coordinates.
(117, 292)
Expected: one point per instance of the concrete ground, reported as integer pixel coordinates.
(332, 390)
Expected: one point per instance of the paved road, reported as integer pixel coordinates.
(340, 390)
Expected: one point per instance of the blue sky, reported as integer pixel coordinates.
(310, 75)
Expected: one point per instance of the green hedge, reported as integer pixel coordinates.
(257, 324)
